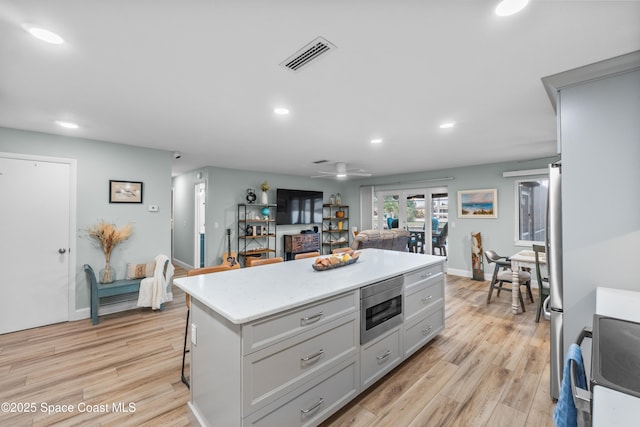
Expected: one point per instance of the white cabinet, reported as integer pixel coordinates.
(275, 370)
(380, 355)
(266, 332)
(313, 401)
(423, 307)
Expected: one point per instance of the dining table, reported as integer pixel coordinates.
(523, 259)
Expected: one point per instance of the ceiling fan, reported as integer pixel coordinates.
(341, 172)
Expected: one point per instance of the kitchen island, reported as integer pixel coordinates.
(280, 344)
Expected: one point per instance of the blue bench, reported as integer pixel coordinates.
(117, 287)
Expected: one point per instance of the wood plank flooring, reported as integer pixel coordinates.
(487, 367)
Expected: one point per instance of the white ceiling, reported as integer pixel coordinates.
(203, 77)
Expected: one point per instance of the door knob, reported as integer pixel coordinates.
(62, 250)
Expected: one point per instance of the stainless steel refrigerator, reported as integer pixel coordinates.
(554, 263)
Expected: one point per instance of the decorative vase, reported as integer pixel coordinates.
(338, 199)
(265, 200)
(107, 274)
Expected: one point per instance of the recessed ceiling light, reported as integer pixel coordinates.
(67, 125)
(447, 125)
(510, 7)
(281, 111)
(376, 141)
(43, 34)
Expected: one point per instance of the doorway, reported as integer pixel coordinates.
(37, 221)
(422, 212)
(199, 222)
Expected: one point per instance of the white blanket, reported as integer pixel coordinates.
(153, 290)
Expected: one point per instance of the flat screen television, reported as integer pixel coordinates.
(298, 207)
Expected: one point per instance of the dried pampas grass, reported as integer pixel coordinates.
(109, 237)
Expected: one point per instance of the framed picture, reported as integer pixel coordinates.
(478, 203)
(125, 191)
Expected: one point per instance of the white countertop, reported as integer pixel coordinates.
(619, 303)
(248, 294)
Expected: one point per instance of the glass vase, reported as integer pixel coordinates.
(107, 274)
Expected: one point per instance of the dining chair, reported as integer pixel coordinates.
(543, 282)
(254, 262)
(502, 274)
(307, 255)
(416, 241)
(187, 299)
(440, 241)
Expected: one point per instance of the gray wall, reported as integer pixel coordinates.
(97, 163)
(600, 135)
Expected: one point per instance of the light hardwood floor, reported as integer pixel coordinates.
(487, 367)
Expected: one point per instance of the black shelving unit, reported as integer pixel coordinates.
(256, 231)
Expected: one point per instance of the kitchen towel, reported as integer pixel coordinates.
(565, 414)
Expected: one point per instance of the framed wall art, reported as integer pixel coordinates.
(125, 191)
(478, 203)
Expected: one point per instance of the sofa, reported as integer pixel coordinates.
(396, 239)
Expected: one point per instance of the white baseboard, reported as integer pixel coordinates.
(116, 307)
(81, 313)
(182, 264)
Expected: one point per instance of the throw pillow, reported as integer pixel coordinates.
(140, 271)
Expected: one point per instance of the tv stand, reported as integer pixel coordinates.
(300, 243)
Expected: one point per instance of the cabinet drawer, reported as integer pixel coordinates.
(380, 356)
(424, 330)
(422, 296)
(274, 371)
(418, 276)
(268, 331)
(315, 401)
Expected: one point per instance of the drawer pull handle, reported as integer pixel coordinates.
(311, 319)
(424, 276)
(384, 356)
(426, 331)
(427, 299)
(314, 407)
(313, 356)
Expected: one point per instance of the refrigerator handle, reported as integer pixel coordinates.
(581, 397)
(545, 308)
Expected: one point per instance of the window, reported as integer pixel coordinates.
(531, 208)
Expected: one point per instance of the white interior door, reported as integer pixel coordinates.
(34, 243)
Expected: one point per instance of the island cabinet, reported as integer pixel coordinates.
(296, 368)
(423, 306)
(279, 345)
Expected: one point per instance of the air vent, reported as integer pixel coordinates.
(308, 53)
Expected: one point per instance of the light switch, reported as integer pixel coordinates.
(194, 334)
